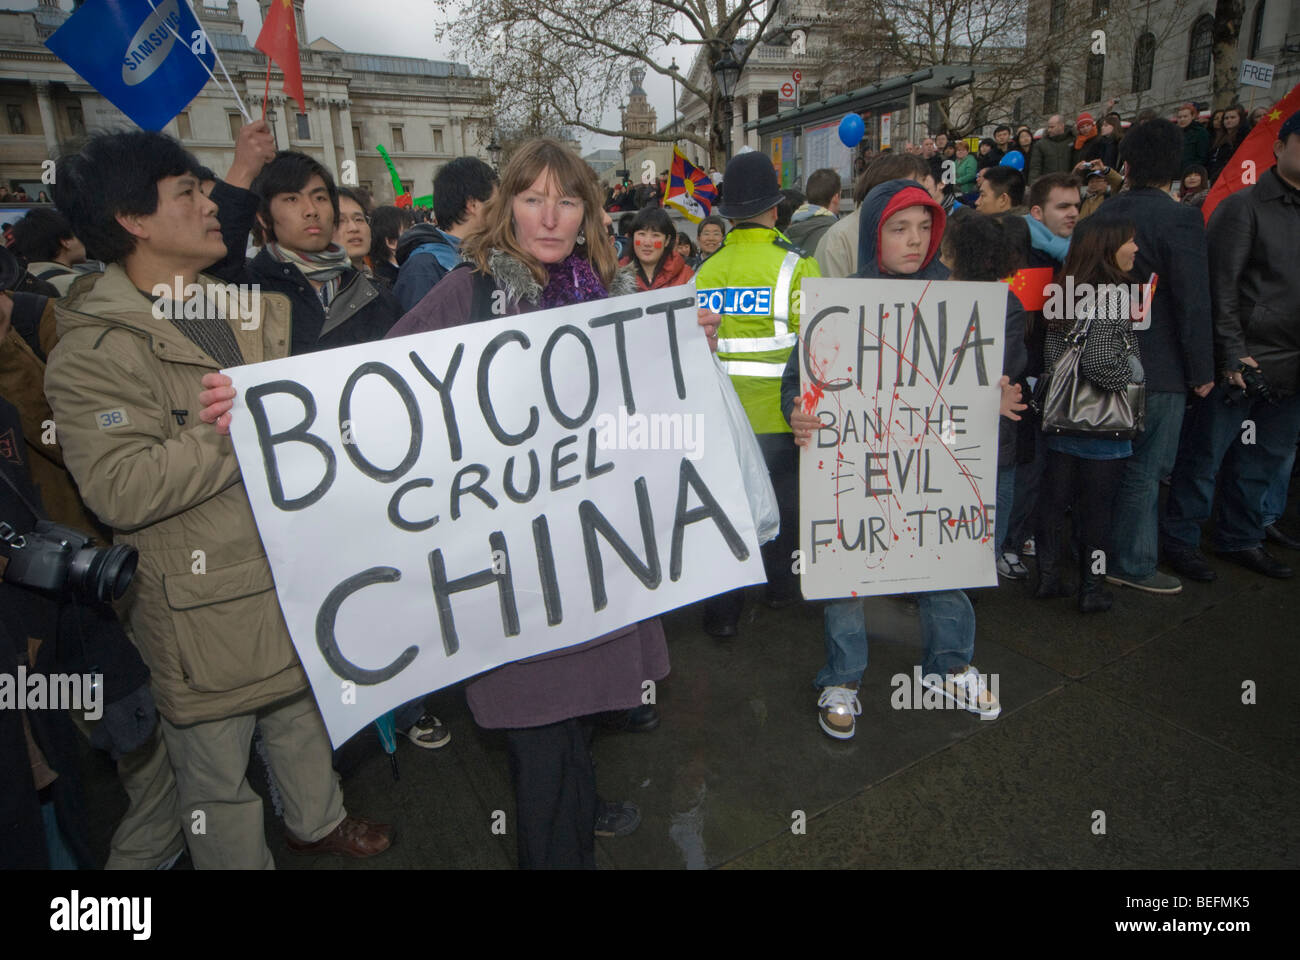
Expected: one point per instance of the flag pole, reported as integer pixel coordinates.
(266, 95)
(208, 40)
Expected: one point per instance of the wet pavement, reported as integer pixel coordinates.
(1131, 722)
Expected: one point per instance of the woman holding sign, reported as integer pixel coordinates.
(543, 244)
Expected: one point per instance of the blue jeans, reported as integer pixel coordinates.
(947, 635)
(1006, 500)
(1275, 498)
(1023, 518)
(1216, 440)
(1135, 520)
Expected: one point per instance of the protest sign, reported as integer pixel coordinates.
(898, 488)
(436, 505)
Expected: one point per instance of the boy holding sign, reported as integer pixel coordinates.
(900, 233)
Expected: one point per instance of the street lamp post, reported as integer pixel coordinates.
(673, 69)
(494, 151)
(726, 74)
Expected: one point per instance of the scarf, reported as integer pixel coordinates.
(325, 267)
(572, 280)
(1040, 238)
(1079, 141)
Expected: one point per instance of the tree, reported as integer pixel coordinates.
(879, 38)
(1228, 15)
(568, 62)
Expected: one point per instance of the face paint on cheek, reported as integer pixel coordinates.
(659, 244)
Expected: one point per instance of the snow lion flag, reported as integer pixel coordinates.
(148, 59)
(689, 189)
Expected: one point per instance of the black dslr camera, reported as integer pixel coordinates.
(59, 559)
(1257, 387)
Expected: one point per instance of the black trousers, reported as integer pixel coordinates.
(782, 458)
(1085, 489)
(555, 794)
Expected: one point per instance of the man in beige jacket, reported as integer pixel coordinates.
(123, 383)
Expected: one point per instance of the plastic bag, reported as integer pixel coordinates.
(753, 468)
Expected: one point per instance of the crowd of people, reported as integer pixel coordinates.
(143, 455)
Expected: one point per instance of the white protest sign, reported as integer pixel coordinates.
(1256, 74)
(898, 488)
(439, 504)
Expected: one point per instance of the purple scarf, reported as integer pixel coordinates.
(572, 280)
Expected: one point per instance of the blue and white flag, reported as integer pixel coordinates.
(149, 59)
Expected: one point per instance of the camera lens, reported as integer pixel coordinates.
(102, 574)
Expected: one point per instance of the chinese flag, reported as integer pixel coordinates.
(1255, 155)
(279, 41)
(1028, 285)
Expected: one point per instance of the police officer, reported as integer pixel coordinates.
(753, 281)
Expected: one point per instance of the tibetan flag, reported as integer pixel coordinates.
(1255, 155)
(148, 59)
(1029, 286)
(689, 189)
(279, 41)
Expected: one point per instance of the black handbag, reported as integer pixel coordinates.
(1074, 406)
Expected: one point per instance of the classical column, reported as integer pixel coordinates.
(345, 123)
(750, 115)
(282, 106)
(456, 136)
(737, 126)
(48, 124)
(325, 119)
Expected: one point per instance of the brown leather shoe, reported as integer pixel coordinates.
(354, 837)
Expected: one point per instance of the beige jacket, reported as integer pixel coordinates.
(124, 388)
(837, 253)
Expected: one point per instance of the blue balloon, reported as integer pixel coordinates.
(851, 130)
(1015, 159)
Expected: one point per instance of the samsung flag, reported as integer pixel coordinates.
(148, 59)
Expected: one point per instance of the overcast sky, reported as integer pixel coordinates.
(405, 28)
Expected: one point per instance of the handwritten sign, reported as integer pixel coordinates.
(1256, 74)
(437, 505)
(898, 489)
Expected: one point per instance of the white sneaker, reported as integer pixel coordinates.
(839, 705)
(1009, 566)
(967, 688)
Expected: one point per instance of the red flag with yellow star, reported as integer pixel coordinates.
(1255, 155)
(1029, 286)
(279, 41)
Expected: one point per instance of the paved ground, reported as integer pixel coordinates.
(1137, 714)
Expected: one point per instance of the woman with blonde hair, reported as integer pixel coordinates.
(544, 244)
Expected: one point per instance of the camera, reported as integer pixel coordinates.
(1257, 387)
(59, 559)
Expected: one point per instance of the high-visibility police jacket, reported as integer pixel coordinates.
(753, 281)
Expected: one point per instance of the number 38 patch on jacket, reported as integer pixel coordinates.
(110, 419)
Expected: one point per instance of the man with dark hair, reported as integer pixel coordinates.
(837, 253)
(124, 385)
(1001, 189)
(1001, 140)
(425, 253)
(1174, 340)
(44, 238)
(334, 305)
(1253, 234)
(1196, 139)
(811, 221)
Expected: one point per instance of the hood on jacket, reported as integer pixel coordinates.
(513, 276)
(412, 238)
(882, 203)
(809, 210)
